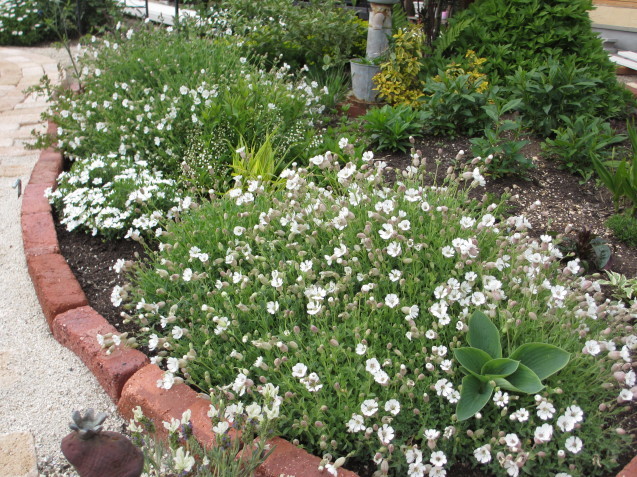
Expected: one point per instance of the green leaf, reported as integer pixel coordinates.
(524, 380)
(543, 359)
(484, 335)
(499, 368)
(474, 395)
(473, 359)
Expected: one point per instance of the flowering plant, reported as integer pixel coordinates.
(350, 295)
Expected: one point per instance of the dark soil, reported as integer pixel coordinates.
(564, 201)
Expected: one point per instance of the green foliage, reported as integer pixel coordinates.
(351, 300)
(241, 435)
(253, 162)
(559, 63)
(390, 127)
(624, 288)
(28, 22)
(456, 104)
(593, 251)
(172, 106)
(500, 141)
(317, 34)
(581, 141)
(398, 81)
(624, 227)
(484, 367)
(620, 177)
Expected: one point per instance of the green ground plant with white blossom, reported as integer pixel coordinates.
(159, 119)
(350, 294)
(240, 431)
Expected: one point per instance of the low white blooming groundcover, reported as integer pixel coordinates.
(349, 295)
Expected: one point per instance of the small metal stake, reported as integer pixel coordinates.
(18, 185)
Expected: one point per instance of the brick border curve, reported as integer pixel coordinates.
(126, 375)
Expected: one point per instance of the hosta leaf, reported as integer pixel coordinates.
(544, 359)
(484, 335)
(473, 396)
(522, 381)
(472, 359)
(499, 368)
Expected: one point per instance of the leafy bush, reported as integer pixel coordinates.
(579, 141)
(621, 176)
(398, 81)
(390, 127)
(351, 299)
(318, 34)
(502, 156)
(624, 227)
(27, 22)
(527, 35)
(456, 104)
(173, 107)
(559, 90)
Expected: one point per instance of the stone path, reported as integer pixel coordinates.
(41, 382)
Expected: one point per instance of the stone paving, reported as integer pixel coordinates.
(41, 382)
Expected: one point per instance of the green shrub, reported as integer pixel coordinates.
(317, 34)
(24, 22)
(351, 299)
(624, 227)
(579, 141)
(554, 52)
(499, 146)
(389, 128)
(455, 104)
(174, 107)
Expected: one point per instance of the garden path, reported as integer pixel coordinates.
(41, 382)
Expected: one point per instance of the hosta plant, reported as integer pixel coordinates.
(486, 369)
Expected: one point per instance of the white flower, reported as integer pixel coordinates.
(356, 423)
(395, 275)
(575, 412)
(221, 428)
(313, 307)
(369, 407)
(448, 251)
(625, 395)
(177, 332)
(167, 381)
(438, 459)
(387, 231)
(183, 461)
(573, 444)
(385, 434)
(238, 231)
(306, 266)
(272, 307)
(483, 454)
(392, 406)
(187, 275)
(566, 423)
(501, 399)
(392, 300)
(372, 366)
(512, 441)
(153, 341)
(299, 370)
(543, 433)
(361, 349)
(343, 142)
(172, 364)
(545, 410)
(521, 415)
(276, 281)
(394, 249)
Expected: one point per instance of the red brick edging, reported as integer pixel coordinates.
(126, 375)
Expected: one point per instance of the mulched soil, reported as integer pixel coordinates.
(564, 201)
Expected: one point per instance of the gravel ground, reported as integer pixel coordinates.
(41, 382)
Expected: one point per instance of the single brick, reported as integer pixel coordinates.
(289, 460)
(47, 169)
(157, 404)
(55, 285)
(38, 235)
(33, 200)
(77, 329)
(630, 470)
(52, 128)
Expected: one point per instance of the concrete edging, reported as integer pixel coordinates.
(126, 375)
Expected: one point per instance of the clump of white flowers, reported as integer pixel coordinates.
(350, 295)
